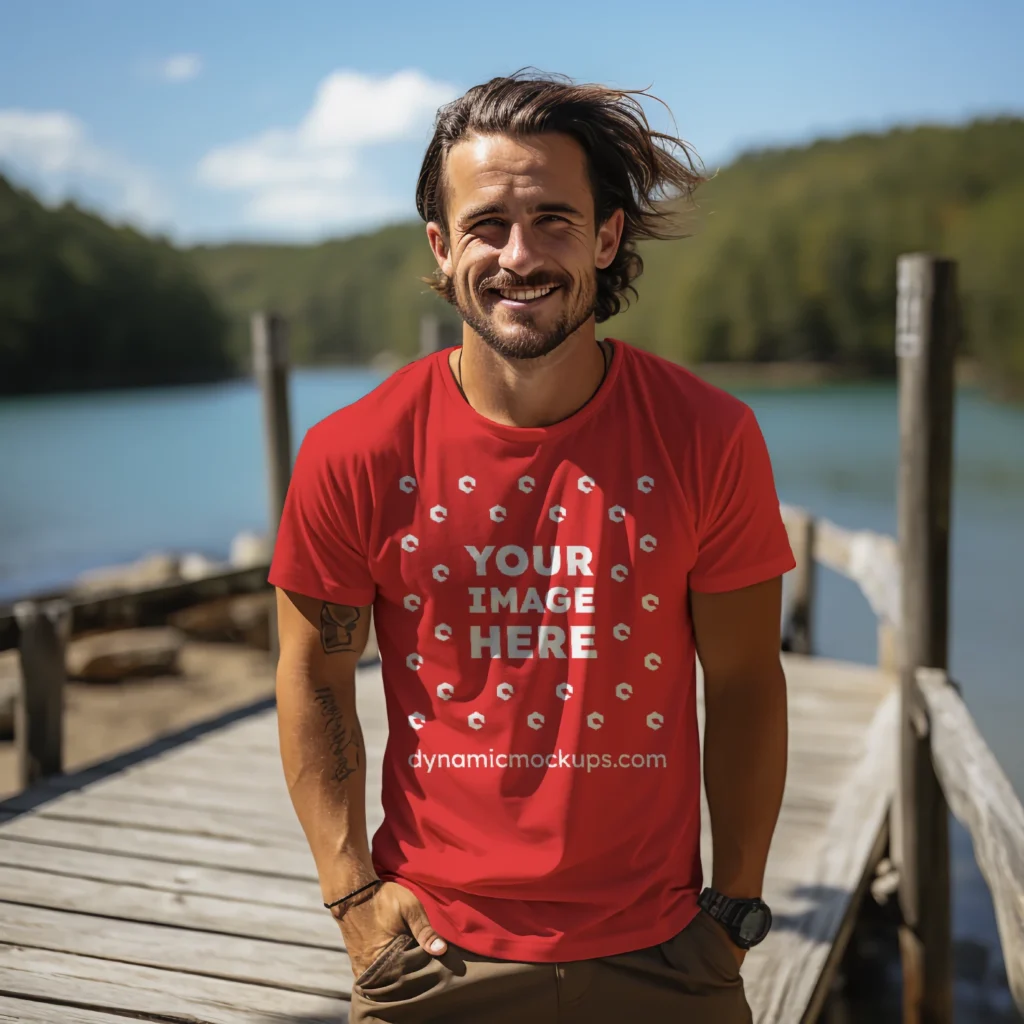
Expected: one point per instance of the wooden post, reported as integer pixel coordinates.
(270, 363)
(799, 636)
(430, 334)
(43, 631)
(926, 336)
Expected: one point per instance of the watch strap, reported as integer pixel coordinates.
(724, 909)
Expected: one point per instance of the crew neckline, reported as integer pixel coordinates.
(510, 432)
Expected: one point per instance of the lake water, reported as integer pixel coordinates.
(88, 480)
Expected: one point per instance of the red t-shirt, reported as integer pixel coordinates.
(541, 784)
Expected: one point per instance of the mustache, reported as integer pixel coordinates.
(506, 280)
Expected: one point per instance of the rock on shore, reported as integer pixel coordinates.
(243, 619)
(125, 654)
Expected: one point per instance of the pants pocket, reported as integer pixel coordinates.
(703, 949)
(377, 971)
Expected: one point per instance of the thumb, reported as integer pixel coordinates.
(419, 926)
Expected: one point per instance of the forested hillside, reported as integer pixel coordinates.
(791, 257)
(795, 250)
(84, 304)
(345, 300)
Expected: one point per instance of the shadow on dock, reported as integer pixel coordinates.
(59, 785)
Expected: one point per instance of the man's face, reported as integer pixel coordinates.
(523, 247)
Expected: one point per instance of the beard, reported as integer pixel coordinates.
(523, 339)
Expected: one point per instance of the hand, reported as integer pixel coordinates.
(393, 910)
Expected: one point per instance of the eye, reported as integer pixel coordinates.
(554, 216)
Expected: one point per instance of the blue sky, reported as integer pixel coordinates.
(223, 119)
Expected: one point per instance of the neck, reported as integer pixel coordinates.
(529, 392)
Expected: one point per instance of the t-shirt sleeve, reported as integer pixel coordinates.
(318, 551)
(742, 539)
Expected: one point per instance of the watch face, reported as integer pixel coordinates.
(755, 924)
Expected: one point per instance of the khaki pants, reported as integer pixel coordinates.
(691, 977)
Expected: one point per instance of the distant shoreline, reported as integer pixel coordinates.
(796, 374)
(741, 376)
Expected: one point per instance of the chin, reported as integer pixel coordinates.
(522, 344)
(519, 336)
(525, 338)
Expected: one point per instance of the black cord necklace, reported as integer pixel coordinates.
(606, 355)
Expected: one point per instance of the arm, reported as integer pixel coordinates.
(324, 760)
(745, 732)
(321, 741)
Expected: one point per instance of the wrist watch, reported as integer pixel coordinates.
(746, 921)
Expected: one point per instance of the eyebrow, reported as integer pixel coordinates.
(486, 209)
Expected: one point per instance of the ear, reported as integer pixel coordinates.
(439, 246)
(609, 234)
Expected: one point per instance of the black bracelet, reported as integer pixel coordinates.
(369, 885)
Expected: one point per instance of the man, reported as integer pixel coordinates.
(547, 528)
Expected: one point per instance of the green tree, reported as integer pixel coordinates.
(84, 304)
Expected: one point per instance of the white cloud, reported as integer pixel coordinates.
(181, 67)
(313, 206)
(316, 172)
(53, 149)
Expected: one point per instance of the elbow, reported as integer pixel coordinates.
(759, 689)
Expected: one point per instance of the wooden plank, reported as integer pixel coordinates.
(834, 872)
(173, 793)
(133, 991)
(18, 1011)
(193, 768)
(178, 848)
(256, 961)
(159, 875)
(38, 888)
(983, 800)
(269, 830)
(190, 794)
(196, 768)
(260, 741)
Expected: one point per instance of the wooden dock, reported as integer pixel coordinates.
(179, 887)
(174, 884)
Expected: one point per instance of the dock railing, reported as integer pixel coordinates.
(973, 785)
(944, 762)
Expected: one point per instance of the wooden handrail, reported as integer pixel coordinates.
(870, 559)
(40, 630)
(974, 785)
(146, 607)
(982, 799)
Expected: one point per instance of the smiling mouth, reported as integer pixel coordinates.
(524, 296)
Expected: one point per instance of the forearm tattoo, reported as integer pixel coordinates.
(342, 741)
(337, 627)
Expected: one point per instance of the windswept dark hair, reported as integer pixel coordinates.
(631, 166)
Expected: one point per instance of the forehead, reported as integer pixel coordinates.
(535, 168)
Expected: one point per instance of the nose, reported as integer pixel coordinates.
(520, 255)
